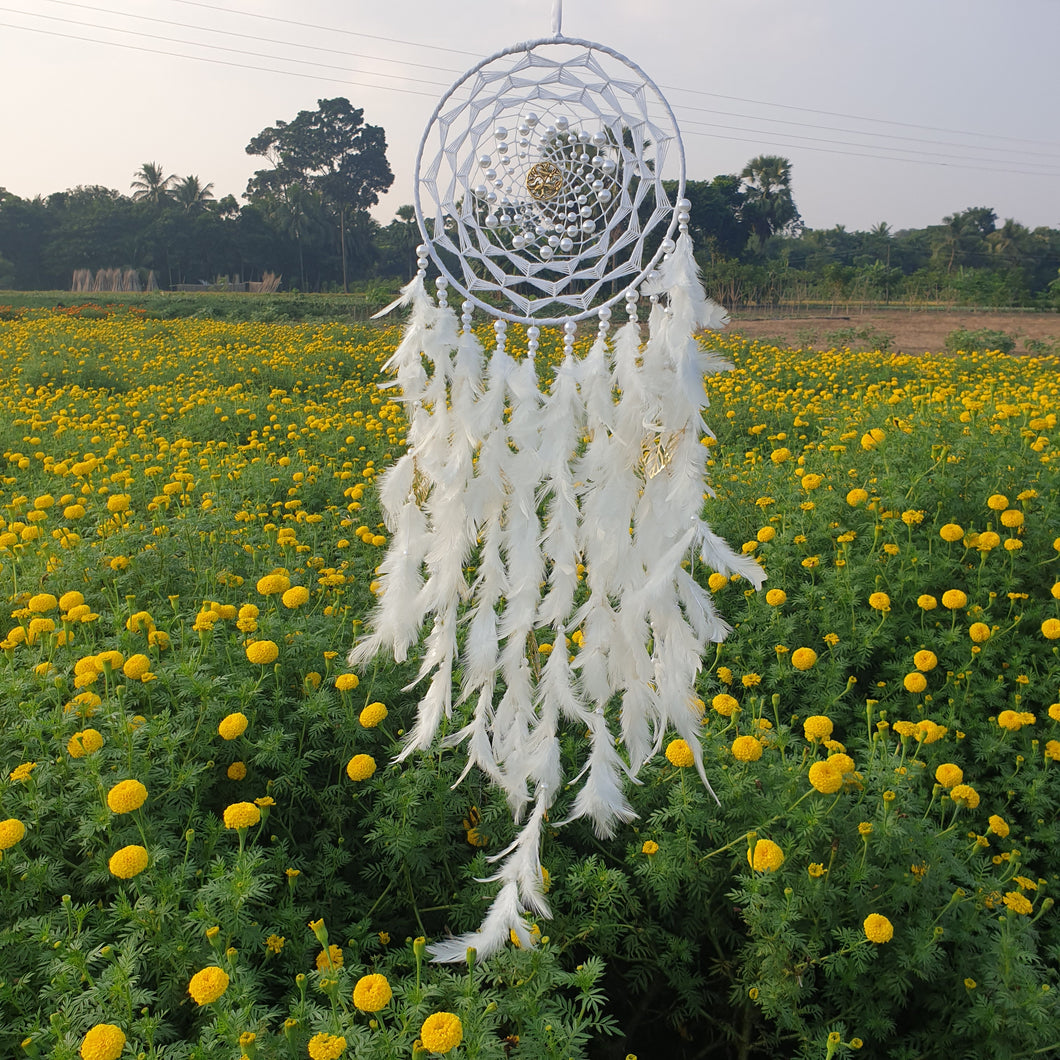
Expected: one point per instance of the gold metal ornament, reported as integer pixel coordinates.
(544, 181)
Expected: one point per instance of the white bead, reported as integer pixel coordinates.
(667, 246)
(599, 139)
(500, 326)
(604, 313)
(441, 283)
(588, 226)
(570, 327)
(421, 250)
(684, 204)
(683, 218)
(491, 220)
(562, 123)
(532, 119)
(533, 331)
(604, 196)
(484, 161)
(546, 253)
(501, 132)
(566, 244)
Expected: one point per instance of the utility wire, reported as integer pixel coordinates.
(222, 48)
(962, 161)
(683, 108)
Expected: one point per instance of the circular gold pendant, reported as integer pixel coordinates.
(544, 181)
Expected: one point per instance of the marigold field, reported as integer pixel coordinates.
(207, 850)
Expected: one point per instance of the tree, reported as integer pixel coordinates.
(329, 151)
(191, 195)
(149, 185)
(768, 205)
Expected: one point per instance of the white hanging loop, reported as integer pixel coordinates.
(557, 17)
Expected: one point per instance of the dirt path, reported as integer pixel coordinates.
(909, 331)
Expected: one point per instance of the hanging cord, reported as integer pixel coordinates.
(557, 17)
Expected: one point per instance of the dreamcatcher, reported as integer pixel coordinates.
(540, 197)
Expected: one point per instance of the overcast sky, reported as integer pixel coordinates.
(900, 112)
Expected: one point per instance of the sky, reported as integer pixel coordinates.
(901, 112)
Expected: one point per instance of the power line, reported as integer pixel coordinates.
(215, 62)
(948, 160)
(451, 70)
(326, 29)
(242, 36)
(222, 48)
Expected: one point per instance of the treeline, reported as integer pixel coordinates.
(305, 218)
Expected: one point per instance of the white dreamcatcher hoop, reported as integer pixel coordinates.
(579, 504)
(539, 180)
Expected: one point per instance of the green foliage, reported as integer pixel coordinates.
(965, 339)
(226, 454)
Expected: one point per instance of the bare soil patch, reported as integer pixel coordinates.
(912, 331)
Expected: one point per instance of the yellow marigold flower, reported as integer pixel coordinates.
(1012, 518)
(1054, 711)
(965, 795)
(22, 772)
(326, 1046)
(1055, 591)
(241, 815)
(128, 862)
(928, 731)
(997, 825)
(12, 831)
(139, 620)
(113, 658)
(136, 666)
(951, 532)
(273, 584)
(766, 856)
(949, 775)
(904, 728)
(925, 660)
(295, 596)
(84, 743)
(372, 993)
(1051, 628)
(926, 602)
(803, 658)
(208, 985)
(816, 869)
(751, 680)
(360, 767)
(275, 943)
(103, 1042)
(970, 984)
(42, 603)
(264, 801)
(232, 725)
(914, 682)
(776, 597)
(126, 796)
(979, 632)
(811, 481)
(650, 847)
(1017, 902)
(781, 455)
(842, 762)
(263, 652)
(441, 1032)
(679, 754)
(817, 727)
(747, 749)
(725, 704)
(237, 771)
(766, 534)
(825, 778)
(71, 599)
(954, 599)
(118, 503)
(1009, 719)
(879, 602)
(372, 715)
(346, 682)
(330, 958)
(997, 502)
(716, 582)
(878, 928)
(857, 496)
(1052, 750)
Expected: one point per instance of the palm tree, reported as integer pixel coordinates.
(191, 194)
(768, 206)
(149, 185)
